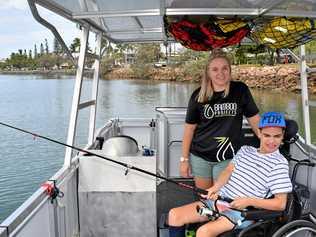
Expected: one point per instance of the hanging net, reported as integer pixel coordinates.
(204, 35)
(282, 32)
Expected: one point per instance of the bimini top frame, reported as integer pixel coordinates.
(131, 21)
(142, 20)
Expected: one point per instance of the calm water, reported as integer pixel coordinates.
(42, 105)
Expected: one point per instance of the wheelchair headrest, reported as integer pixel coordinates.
(291, 130)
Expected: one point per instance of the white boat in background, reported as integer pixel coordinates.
(102, 198)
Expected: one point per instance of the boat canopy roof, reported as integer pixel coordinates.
(146, 20)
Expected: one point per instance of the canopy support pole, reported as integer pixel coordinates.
(76, 95)
(95, 86)
(304, 94)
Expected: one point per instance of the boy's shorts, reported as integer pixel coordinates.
(233, 215)
(206, 169)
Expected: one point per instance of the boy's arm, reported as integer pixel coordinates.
(224, 176)
(221, 181)
(278, 203)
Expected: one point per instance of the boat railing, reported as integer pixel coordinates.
(39, 213)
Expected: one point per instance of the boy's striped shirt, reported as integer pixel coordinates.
(257, 175)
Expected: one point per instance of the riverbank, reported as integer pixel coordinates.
(40, 72)
(58, 72)
(280, 77)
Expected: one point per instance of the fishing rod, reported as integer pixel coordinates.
(128, 166)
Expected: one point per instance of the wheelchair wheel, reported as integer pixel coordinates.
(301, 228)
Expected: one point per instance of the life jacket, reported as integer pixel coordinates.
(205, 36)
(282, 32)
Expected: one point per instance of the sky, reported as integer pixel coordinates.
(19, 30)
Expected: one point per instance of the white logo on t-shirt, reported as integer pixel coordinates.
(208, 111)
(224, 146)
(220, 110)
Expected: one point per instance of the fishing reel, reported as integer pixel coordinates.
(205, 211)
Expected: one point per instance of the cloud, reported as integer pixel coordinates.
(15, 16)
(16, 4)
(14, 42)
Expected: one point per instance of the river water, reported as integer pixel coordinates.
(42, 105)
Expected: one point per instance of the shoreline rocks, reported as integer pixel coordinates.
(279, 77)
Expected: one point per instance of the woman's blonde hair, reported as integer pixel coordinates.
(207, 90)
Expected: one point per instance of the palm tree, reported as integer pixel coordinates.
(75, 46)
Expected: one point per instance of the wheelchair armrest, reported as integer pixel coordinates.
(260, 214)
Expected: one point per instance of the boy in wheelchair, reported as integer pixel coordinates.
(254, 178)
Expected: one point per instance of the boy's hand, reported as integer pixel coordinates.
(240, 203)
(212, 193)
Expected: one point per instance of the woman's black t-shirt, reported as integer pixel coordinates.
(219, 122)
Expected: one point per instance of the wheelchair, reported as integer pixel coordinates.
(280, 223)
(305, 228)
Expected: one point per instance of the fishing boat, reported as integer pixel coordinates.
(126, 178)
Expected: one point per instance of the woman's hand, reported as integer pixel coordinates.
(241, 203)
(185, 169)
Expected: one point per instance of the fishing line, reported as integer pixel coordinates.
(128, 166)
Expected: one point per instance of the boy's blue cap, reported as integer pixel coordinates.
(272, 119)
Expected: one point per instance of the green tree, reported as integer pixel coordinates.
(187, 55)
(3, 65)
(114, 54)
(41, 49)
(310, 49)
(108, 59)
(125, 49)
(56, 47)
(75, 45)
(46, 47)
(196, 66)
(46, 61)
(35, 51)
(108, 47)
(57, 60)
(271, 59)
(30, 54)
(18, 60)
(146, 55)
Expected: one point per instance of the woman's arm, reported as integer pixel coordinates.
(187, 139)
(278, 203)
(254, 122)
(186, 144)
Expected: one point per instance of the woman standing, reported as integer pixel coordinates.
(213, 122)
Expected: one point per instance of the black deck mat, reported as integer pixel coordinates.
(170, 195)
